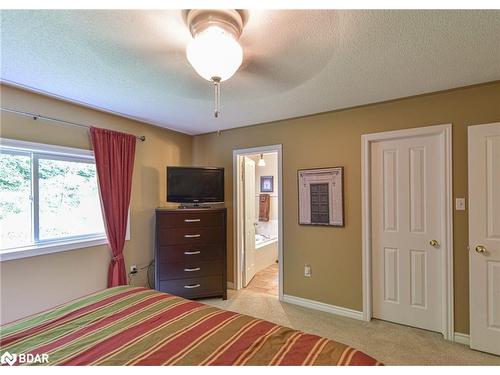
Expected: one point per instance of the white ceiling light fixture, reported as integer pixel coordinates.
(214, 52)
(262, 162)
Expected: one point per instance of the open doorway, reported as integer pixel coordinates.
(258, 220)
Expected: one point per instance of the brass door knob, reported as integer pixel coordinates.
(480, 249)
(434, 243)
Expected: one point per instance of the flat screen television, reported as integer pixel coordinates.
(195, 185)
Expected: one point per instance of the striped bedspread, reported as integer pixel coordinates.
(138, 326)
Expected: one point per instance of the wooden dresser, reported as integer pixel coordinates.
(190, 252)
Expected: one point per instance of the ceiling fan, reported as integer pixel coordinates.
(275, 51)
(214, 51)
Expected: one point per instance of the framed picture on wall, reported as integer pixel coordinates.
(266, 184)
(321, 196)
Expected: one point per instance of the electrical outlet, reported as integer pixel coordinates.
(460, 204)
(307, 270)
(133, 268)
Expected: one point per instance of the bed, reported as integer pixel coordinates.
(139, 326)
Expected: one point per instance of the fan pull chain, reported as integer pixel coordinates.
(216, 81)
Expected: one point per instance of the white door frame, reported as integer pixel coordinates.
(237, 209)
(445, 131)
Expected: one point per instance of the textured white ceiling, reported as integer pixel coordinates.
(296, 62)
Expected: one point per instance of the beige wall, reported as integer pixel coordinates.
(334, 139)
(33, 284)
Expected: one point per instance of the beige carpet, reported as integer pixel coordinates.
(390, 343)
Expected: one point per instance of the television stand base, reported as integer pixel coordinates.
(195, 205)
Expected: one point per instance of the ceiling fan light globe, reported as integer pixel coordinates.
(214, 53)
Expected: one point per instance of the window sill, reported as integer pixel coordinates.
(50, 248)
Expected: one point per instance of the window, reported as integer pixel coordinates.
(49, 199)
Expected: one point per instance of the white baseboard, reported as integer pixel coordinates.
(230, 285)
(315, 305)
(458, 337)
(461, 338)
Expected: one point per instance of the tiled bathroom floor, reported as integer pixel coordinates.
(266, 281)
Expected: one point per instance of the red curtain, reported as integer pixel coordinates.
(114, 158)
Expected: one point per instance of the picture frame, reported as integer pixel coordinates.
(321, 196)
(266, 184)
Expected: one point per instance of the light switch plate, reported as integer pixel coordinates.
(460, 204)
(307, 270)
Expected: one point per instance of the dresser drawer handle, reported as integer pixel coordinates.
(192, 235)
(192, 220)
(192, 269)
(192, 286)
(192, 252)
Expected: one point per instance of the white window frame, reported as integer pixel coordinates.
(57, 245)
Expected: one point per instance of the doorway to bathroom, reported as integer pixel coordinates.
(258, 229)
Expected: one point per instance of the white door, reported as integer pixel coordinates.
(484, 237)
(249, 209)
(407, 204)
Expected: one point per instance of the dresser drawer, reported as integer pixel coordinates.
(191, 219)
(170, 271)
(193, 287)
(190, 236)
(190, 253)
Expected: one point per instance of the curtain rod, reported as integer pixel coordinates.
(36, 116)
